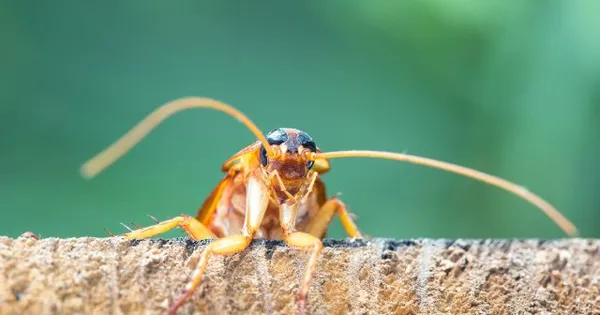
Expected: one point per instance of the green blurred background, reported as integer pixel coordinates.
(507, 87)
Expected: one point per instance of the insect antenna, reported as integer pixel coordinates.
(119, 148)
(522, 192)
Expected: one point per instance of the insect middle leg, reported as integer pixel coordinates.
(320, 222)
(194, 228)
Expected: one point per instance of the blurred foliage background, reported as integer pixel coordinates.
(506, 87)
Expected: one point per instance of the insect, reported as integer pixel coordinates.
(273, 189)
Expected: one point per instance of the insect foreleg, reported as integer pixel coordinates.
(256, 204)
(224, 246)
(302, 241)
(309, 243)
(194, 228)
(320, 222)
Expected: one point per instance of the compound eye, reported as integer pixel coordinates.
(310, 145)
(264, 159)
(307, 142)
(274, 137)
(277, 136)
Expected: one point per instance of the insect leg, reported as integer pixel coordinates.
(318, 225)
(194, 228)
(257, 201)
(306, 242)
(224, 246)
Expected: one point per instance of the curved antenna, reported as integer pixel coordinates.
(548, 209)
(119, 148)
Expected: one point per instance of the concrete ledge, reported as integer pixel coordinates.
(113, 276)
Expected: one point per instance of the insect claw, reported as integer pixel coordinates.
(153, 218)
(179, 302)
(108, 232)
(128, 228)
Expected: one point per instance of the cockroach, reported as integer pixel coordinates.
(273, 189)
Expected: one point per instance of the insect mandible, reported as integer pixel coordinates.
(272, 189)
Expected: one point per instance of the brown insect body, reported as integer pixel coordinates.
(272, 189)
(294, 170)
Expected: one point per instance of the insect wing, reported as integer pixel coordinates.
(246, 157)
(208, 208)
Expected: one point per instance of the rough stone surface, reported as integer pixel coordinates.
(113, 276)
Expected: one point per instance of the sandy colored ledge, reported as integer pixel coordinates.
(112, 276)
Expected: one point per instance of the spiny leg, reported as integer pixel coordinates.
(320, 222)
(257, 201)
(287, 213)
(306, 242)
(311, 241)
(194, 228)
(225, 246)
